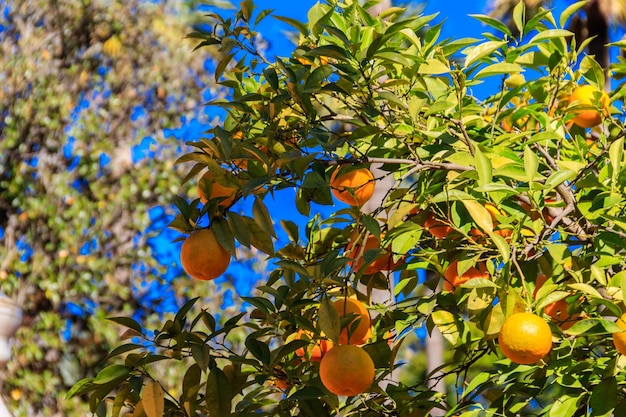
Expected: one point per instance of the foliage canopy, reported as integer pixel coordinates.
(523, 191)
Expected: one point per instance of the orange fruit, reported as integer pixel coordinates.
(453, 279)
(559, 314)
(316, 350)
(525, 338)
(347, 306)
(436, 227)
(590, 97)
(558, 309)
(354, 187)
(227, 194)
(619, 339)
(202, 256)
(383, 262)
(347, 370)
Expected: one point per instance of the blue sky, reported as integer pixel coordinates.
(455, 13)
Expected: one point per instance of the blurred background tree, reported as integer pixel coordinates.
(95, 100)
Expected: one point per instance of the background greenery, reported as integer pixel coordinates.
(95, 98)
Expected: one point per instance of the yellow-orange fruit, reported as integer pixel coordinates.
(436, 227)
(453, 279)
(383, 262)
(318, 348)
(347, 370)
(619, 339)
(591, 97)
(354, 188)
(348, 306)
(525, 338)
(217, 191)
(558, 309)
(202, 256)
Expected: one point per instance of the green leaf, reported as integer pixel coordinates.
(616, 154)
(433, 66)
(191, 379)
(201, 355)
(531, 164)
(259, 349)
(519, 17)
(239, 227)
(123, 349)
(483, 167)
(127, 322)
(585, 289)
(380, 352)
(494, 23)
(112, 373)
(307, 393)
(593, 326)
(221, 66)
(570, 11)
(262, 217)
(223, 234)
(182, 312)
(271, 77)
(330, 51)
(498, 69)
(261, 303)
(502, 245)
(558, 178)
(328, 319)
(218, 394)
(301, 27)
(592, 70)
(564, 406)
(314, 80)
(550, 34)
(259, 238)
(603, 398)
(447, 324)
(475, 53)
(372, 225)
(480, 215)
(247, 7)
(81, 387)
(120, 399)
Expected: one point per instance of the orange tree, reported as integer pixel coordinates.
(532, 205)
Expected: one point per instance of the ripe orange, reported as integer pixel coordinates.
(354, 187)
(588, 96)
(347, 306)
(453, 279)
(217, 191)
(318, 348)
(436, 227)
(525, 338)
(559, 314)
(558, 309)
(347, 370)
(202, 256)
(619, 339)
(383, 262)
